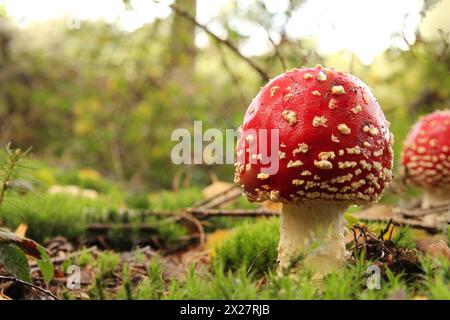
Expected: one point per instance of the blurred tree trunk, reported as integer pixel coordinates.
(182, 49)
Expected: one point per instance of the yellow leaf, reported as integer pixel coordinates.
(215, 238)
(21, 230)
(390, 232)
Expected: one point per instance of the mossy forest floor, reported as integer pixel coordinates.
(107, 244)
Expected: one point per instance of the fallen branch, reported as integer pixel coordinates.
(103, 227)
(28, 284)
(423, 212)
(210, 213)
(381, 213)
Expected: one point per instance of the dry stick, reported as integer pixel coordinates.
(198, 224)
(423, 212)
(226, 198)
(210, 213)
(225, 42)
(47, 292)
(102, 227)
(212, 198)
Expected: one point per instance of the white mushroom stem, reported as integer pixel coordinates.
(314, 230)
(435, 197)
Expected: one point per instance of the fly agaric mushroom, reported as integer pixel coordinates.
(426, 157)
(334, 150)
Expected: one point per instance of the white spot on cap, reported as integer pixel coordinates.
(378, 153)
(307, 76)
(298, 182)
(321, 76)
(302, 148)
(274, 195)
(337, 90)
(323, 164)
(354, 150)
(316, 93)
(344, 129)
(290, 116)
(262, 176)
(334, 138)
(288, 97)
(274, 90)
(332, 103)
(356, 109)
(319, 121)
(294, 164)
(325, 155)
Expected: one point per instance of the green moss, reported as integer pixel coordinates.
(252, 246)
(106, 263)
(52, 215)
(168, 200)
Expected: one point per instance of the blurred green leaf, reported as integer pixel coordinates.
(45, 264)
(15, 261)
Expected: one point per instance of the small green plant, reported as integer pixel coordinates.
(404, 238)
(84, 258)
(107, 263)
(13, 249)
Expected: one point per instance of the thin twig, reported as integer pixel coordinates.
(47, 292)
(225, 42)
(198, 224)
(423, 212)
(276, 47)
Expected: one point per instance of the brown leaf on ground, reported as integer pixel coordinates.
(27, 245)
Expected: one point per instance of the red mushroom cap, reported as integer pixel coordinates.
(334, 143)
(426, 151)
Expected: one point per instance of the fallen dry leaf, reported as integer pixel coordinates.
(27, 245)
(21, 230)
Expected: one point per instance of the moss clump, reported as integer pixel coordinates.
(252, 246)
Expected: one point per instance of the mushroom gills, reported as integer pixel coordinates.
(314, 230)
